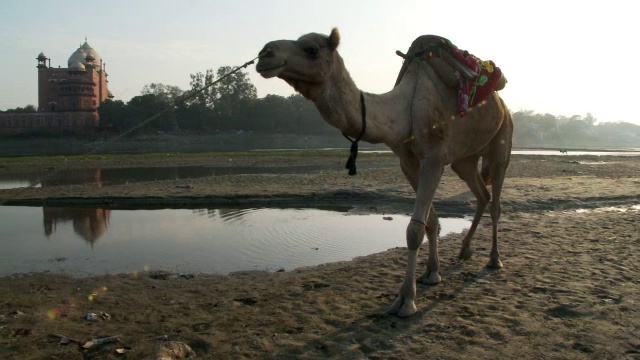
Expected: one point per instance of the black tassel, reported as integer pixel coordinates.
(351, 162)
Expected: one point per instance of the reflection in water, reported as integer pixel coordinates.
(185, 240)
(89, 224)
(227, 215)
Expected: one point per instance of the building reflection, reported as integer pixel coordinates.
(90, 224)
(226, 215)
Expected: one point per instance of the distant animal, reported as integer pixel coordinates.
(419, 121)
(563, 151)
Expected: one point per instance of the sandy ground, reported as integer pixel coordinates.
(569, 289)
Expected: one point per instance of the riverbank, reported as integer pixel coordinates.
(568, 290)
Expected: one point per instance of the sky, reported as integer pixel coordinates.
(561, 57)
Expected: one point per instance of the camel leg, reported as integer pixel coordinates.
(467, 170)
(494, 256)
(432, 275)
(499, 155)
(498, 171)
(429, 177)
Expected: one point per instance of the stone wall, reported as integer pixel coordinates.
(77, 121)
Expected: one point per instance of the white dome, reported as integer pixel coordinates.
(89, 51)
(77, 56)
(81, 54)
(76, 66)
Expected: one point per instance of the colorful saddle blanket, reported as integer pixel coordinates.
(475, 79)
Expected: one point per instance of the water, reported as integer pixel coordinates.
(118, 176)
(89, 241)
(578, 152)
(18, 183)
(627, 208)
(627, 152)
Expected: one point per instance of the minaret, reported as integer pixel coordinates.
(100, 81)
(43, 78)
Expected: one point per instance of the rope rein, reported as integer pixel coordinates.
(180, 99)
(172, 106)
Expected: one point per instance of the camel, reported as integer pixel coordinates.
(418, 121)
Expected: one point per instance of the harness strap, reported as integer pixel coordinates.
(351, 162)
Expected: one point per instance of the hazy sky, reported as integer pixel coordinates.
(561, 57)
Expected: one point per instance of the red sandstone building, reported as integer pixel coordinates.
(68, 98)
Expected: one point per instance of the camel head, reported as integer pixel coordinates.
(306, 63)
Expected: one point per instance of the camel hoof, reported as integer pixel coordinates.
(430, 278)
(402, 307)
(494, 264)
(465, 253)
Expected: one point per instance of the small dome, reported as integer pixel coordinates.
(78, 56)
(41, 56)
(76, 66)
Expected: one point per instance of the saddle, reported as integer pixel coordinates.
(472, 78)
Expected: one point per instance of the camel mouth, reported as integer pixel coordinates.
(269, 71)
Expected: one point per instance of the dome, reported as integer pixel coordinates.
(86, 55)
(41, 56)
(76, 66)
(89, 51)
(77, 56)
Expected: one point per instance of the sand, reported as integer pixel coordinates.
(569, 289)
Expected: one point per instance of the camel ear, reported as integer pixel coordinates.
(334, 39)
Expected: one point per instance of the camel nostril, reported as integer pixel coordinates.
(266, 52)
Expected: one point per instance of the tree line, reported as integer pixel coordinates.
(229, 105)
(218, 104)
(545, 130)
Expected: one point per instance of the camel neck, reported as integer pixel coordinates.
(340, 104)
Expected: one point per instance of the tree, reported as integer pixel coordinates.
(226, 93)
(232, 90)
(144, 107)
(271, 114)
(26, 109)
(113, 115)
(307, 118)
(168, 93)
(195, 117)
(202, 92)
(577, 129)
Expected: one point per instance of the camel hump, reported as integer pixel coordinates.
(429, 47)
(449, 62)
(454, 66)
(426, 43)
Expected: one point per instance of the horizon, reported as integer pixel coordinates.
(549, 51)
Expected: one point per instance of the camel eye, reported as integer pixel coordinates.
(311, 51)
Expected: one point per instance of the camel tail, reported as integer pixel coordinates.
(485, 171)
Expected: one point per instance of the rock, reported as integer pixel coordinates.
(174, 350)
